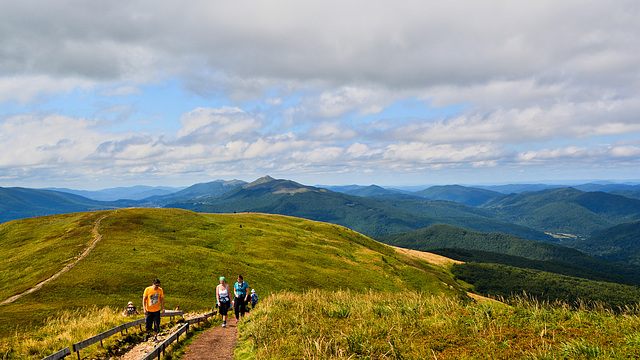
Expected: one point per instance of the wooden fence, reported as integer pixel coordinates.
(158, 351)
(98, 338)
(59, 355)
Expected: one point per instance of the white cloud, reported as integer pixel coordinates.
(417, 152)
(33, 139)
(331, 131)
(528, 75)
(26, 88)
(215, 125)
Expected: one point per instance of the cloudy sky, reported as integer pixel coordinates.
(118, 93)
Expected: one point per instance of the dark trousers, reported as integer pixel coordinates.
(224, 307)
(152, 321)
(239, 307)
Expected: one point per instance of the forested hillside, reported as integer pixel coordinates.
(449, 237)
(618, 243)
(566, 210)
(372, 216)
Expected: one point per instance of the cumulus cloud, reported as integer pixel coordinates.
(396, 45)
(215, 125)
(525, 74)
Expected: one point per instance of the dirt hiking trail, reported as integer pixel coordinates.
(216, 343)
(96, 238)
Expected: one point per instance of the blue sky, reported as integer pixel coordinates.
(99, 95)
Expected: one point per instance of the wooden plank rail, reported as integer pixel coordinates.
(159, 350)
(59, 355)
(201, 318)
(118, 329)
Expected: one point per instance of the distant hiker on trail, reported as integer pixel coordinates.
(130, 310)
(254, 298)
(152, 304)
(241, 299)
(222, 299)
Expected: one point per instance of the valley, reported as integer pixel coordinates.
(288, 239)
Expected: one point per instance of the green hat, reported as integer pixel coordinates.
(222, 278)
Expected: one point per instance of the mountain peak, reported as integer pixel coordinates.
(262, 180)
(277, 186)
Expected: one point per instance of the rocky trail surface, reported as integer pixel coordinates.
(216, 343)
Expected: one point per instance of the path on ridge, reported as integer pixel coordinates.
(216, 343)
(96, 238)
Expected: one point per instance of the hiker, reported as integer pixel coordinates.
(153, 304)
(241, 298)
(254, 299)
(222, 299)
(130, 310)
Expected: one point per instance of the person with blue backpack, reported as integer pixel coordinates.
(254, 299)
(241, 299)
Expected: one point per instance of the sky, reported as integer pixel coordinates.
(100, 94)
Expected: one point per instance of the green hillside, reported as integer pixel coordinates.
(369, 216)
(550, 266)
(566, 210)
(461, 194)
(188, 252)
(618, 243)
(20, 203)
(444, 236)
(506, 281)
(197, 191)
(632, 194)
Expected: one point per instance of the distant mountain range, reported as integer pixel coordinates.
(138, 192)
(562, 230)
(569, 214)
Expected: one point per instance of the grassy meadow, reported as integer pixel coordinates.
(414, 325)
(187, 251)
(326, 291)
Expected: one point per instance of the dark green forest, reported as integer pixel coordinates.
(496, 280)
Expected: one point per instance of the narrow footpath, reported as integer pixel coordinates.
(96, 238)
(216, 343)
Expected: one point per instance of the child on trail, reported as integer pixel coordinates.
(153, 304)
(254, 298)
(222, 299)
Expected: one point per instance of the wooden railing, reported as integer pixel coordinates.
(59, 355)
(158, 351)
(98, 338)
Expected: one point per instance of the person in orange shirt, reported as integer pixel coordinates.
(153, 304)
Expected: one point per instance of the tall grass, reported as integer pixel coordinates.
(67, 328)
(188, 252)
(411, 325)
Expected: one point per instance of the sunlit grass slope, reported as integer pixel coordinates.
(34, 249)
(411, 325)
(188, 252)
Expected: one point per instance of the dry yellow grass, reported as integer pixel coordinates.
(428, 257)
